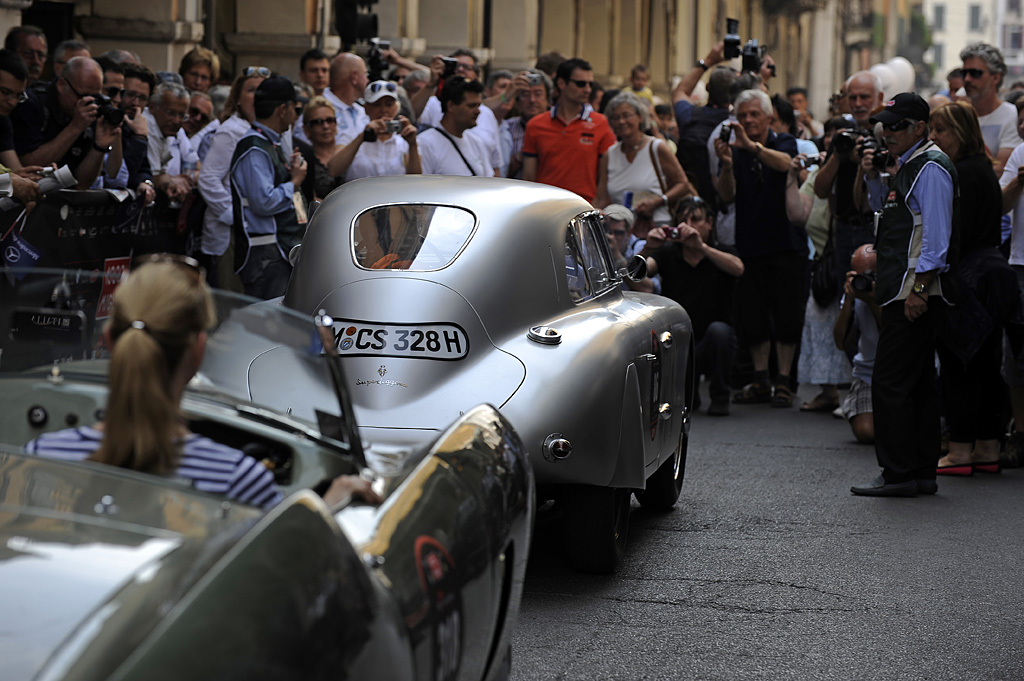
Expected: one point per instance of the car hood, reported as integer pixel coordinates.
(404, 392)
(75, 571)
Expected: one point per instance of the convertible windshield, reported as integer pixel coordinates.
(258, 353)
(415, 237)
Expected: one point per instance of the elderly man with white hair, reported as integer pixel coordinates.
(770, 298)
(171, 156)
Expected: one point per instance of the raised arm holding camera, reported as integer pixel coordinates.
(69, 123)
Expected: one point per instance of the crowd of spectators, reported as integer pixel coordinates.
(740, 200)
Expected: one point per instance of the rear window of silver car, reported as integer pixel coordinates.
(410, 237)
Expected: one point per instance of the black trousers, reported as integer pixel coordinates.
(973, 393)
(905, 396)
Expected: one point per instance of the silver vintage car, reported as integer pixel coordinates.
(110, 574)
(446, 292)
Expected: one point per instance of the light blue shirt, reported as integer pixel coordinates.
(931, 197)
(253, 177)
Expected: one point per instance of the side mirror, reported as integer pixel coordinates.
(636, 268)
(311, 208)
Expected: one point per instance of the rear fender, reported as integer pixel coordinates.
(629, 470)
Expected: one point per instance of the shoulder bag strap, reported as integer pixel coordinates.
(449, 138)
(657, 165)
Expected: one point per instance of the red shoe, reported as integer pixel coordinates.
(955, 469)
(988, 467)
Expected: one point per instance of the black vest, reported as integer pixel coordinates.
(898, 237)
(289, 230)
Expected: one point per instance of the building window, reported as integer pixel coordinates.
(938, 57)
(939, 21)
(1013, 6)
(1014, 37)
(974, 18)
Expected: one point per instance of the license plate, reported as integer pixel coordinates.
(422, 341)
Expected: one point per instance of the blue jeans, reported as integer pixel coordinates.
(266, 272)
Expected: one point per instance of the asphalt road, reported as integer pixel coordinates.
(769, 568)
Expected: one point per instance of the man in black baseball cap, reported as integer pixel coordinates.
(916, 243)
(264, 182)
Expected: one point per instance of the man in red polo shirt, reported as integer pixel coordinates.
(562, 147)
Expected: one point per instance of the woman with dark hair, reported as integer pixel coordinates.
(971, 383)
(157, 336)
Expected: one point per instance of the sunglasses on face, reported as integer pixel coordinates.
(898, 125)
(261, 71)
(197, 115)
(582, 83)
(973, 73)
(313, 122)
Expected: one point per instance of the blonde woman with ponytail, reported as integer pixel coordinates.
(157, 337)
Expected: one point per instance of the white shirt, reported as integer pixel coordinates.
(377, 159)
(1015, 161)
(214, 184)
(999, 128)
(487, 129)
(167, 153)
(352, 120)
(439, 156)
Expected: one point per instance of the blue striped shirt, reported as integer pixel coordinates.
(209, 466)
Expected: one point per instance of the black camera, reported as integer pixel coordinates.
(846, 140)
(726, 134)
(863, 283)
(110, 113)
(881, 157)
(449, 66)
(376, 64)
(732, 39)
(753, 56)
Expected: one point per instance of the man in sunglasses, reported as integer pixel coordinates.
(200, 113)
(61, 124)
(564, 147)
(983, 73)
(917, 232)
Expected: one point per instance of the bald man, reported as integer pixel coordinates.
(61, 124)
(348, 80)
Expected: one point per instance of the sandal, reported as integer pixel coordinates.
(820, 403)
(753, 393)
(783, 397)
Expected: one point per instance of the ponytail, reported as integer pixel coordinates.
(158, 313)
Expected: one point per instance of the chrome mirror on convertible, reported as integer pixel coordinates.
(635, 269)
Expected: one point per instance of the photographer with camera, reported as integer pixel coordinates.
(70, 123)
(387, 145)
(838, 179)
(859, 310)
(699, 274)
(916, 242)
(774, 251)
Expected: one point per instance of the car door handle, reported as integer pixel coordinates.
(649, 357)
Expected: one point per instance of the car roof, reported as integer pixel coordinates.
(517, 245)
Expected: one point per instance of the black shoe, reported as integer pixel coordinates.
(880, 488)
(927, 486)
(718, 408)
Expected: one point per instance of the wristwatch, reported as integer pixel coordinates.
(703, 64)
(102, 150)
(919, 288)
